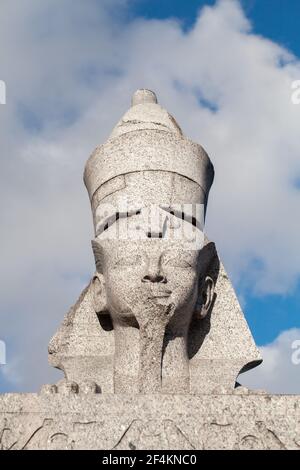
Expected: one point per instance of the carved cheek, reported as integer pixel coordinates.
(186, 278)
(184, 286)
(123, 285)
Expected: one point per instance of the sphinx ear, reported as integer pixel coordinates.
(205, 298)
(98, 293)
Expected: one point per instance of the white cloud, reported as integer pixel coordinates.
(70, 69)
(280, 370)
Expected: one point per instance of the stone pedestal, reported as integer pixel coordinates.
(160, 422)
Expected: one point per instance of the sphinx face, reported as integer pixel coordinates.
(149, 226)
(157, 276)
(153, 269)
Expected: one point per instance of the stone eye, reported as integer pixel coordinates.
(178, 262)
(129, 261)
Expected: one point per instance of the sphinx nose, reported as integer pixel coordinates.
(154, 277)
(154, 272)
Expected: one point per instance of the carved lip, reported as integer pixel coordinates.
(159, 293)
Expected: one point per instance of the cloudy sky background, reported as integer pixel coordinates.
(224, 70)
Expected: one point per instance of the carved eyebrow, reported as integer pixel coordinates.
(187, 257)
(111, 219)
(183, 216)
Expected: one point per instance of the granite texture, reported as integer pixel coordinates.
(149, 422)
(152, 348)
(160, 314)
(220, 345)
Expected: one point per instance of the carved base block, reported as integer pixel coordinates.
(82, 421)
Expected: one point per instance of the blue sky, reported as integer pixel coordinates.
(225, 72)
(274, 19)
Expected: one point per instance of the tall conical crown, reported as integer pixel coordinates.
(145, 113)
(148, 138)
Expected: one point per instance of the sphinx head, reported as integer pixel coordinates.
(151, 272)
(149, 187)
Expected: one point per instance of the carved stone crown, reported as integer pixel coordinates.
(147, 138)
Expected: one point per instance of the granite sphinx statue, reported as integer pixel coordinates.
(160, 314)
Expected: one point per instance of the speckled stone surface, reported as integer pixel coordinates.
(149, 422)
(219, 346)
(160, 314)
(152, 348)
